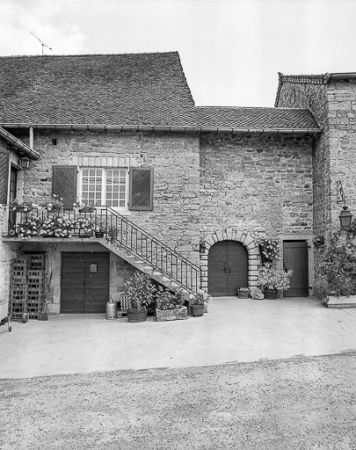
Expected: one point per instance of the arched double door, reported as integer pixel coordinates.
(227, 268)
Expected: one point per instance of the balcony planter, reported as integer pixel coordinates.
(99, 234)
(340, 302)
(163, 315)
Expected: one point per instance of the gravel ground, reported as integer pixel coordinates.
(299, 403)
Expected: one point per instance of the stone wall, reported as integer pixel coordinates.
(174, 157)
(314, 98)
(342, 141)
(174, 219)
(263, 180)
(334, 158)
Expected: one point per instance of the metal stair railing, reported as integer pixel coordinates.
(125, 234)
(150, 250)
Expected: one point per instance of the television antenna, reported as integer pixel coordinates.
(42, 43)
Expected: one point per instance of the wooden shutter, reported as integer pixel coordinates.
(4, 176)
(141, 189)
(64, 184)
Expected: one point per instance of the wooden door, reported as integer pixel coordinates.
(85, 282)
(227, 268)
(12, 196)
(295, 257)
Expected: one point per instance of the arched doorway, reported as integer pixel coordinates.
(227, 268)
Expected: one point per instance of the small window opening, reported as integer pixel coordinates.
(54, 141)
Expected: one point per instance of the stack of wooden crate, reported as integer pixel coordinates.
(35, 289)
(18, 292)
(27, 287)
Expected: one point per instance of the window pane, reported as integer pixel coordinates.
(115, 181)
(92, 185)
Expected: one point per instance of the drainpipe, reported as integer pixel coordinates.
(31, 138)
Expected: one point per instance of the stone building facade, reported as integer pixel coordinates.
(221, 176)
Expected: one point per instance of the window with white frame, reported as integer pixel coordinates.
(116, 187)
(104, 186)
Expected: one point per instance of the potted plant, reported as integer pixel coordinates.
(111, 234)
(273, 280)
(169, 305)
(53, 205)
(99, 228)
(86, 226)
(197, 304)
(141, 293)
(83, 206)
(243, 292)
(19, 206)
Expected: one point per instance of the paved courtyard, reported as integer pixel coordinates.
(234, 330)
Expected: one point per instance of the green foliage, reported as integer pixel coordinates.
(140, 290)
(198, 299)
(167, 299)
(336, 274)
(338, 271)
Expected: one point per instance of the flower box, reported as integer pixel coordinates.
(340, 302)
(163, 315)
(243, 294)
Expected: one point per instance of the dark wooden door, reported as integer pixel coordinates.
(12, 196)
(85, 282)
(295, 257)
(227, 268)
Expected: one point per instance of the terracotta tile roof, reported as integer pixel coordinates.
(255, 118)
(126, 89)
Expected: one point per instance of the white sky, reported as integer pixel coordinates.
(231, 50)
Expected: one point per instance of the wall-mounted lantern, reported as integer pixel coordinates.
(202, 247)
(25, 162)
(345, 217)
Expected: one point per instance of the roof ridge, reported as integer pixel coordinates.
(254, 107)
(89, 54)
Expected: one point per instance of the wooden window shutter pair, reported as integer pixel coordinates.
(64, 184)
(4, 176)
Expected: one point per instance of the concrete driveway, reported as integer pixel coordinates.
(234, 330)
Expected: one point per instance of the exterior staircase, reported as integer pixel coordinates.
(147, 253)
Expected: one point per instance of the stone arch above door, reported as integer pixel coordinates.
(233, 234)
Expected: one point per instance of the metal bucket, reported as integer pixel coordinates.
(111, 310)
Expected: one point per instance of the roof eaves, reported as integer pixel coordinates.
(32, 154)
(196, 128)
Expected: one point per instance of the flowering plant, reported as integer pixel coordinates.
(269, 248)
(274, 279)
(30, 226)
(243, 289)
(99, 225)
(55, 203)
(17, 205)
(58, 226)
(83, 205)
